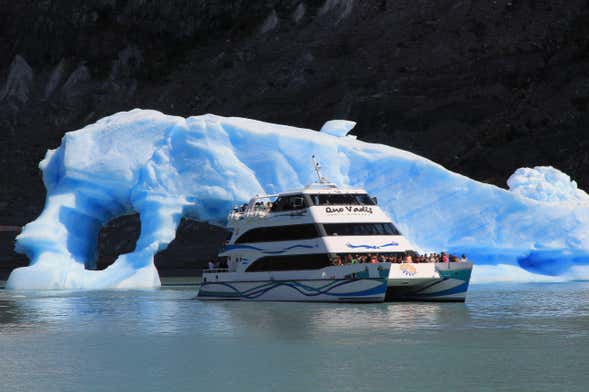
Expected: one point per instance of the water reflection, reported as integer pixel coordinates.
(10, 314)
(158, 339)
(539, 308)
(122, 311)
(301, 321)
(174, 312)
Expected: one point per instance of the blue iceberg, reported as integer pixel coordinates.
(167, 167)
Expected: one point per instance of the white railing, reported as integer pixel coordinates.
(236, 215)
(215, 270)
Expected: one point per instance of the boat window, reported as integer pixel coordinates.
(360, 229)
(344, 199)
(289, 203)
(279, 233)
(289, 263)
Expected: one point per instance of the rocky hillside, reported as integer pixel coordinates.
(482, 87)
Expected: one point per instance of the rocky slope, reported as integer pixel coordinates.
(481, 87)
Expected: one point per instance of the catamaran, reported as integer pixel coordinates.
(325, 243)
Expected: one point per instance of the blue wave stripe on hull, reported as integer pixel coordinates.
(270, 285)
(326, 287)
(269, 252)
(461, 288)
(349, 245)
(222, 294)
(299, 287)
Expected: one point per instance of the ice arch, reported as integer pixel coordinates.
(166, 167)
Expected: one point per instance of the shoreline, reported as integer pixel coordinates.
(172, 281)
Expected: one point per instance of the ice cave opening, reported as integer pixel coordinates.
(194, 245)
(117, 237)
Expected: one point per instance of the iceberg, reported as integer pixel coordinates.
(166, 167)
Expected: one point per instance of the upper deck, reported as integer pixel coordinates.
(316, 203)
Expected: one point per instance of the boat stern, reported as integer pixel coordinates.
(446, 282)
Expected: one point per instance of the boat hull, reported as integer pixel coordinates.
(313, 290)
(319, 290)
(440, 282)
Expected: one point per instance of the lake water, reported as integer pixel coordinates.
(525, 337)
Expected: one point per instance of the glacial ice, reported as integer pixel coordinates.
(167, 167)
(545, 183)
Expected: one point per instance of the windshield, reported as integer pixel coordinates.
(338, 200)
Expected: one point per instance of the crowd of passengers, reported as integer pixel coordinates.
(408, 258)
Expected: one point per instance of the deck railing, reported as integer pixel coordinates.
(254, 213)
(214, 270)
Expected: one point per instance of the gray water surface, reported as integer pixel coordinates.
(526, 337)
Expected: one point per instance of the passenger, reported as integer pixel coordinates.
(349, 259)
(338, 260)
(211, 265)
(408, 259)
(463, 259)
(373, 259)
(445, 258)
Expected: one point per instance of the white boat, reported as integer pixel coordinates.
(324, 243)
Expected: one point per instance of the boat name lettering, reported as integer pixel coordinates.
(335, 210)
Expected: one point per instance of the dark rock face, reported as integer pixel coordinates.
(480, 87)
(195, 244)
(8, 258)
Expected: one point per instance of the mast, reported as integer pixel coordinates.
(317, 167)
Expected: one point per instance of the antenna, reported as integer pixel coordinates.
(318, 170)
